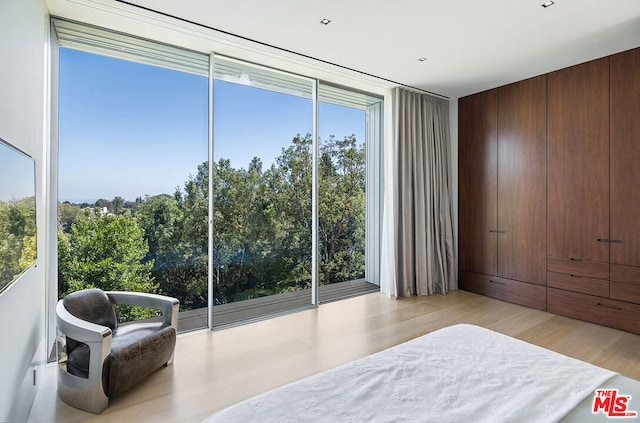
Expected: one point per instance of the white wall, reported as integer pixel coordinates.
(24, 35)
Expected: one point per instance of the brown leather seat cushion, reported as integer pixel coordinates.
(78, 362)
(137, 350)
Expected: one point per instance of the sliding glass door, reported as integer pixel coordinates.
(262, 191)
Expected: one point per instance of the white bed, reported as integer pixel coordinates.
(461, 373)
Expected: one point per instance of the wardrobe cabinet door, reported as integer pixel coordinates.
(578, 161)
(477, 167)
(625, 158)
(522, 172)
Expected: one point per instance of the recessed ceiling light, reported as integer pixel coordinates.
(548, 3)
(422, 59)
(325, 21)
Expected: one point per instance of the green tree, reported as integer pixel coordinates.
(194, 205)
(176, 232)
(240, 245)
(67, 215)
(262, 220)
(341, 210)
(17, 238)
(106, 252)
(262, 229)
(290, 191)
(101, 202)
(118, 205)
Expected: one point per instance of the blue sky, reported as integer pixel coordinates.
(128, 129)
(17, 173)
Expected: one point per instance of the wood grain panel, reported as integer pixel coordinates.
(625, 291)
(623, 273)
(523, 293)
(522, 171)
(625, 283)
(578, 161)
(579, 267)
(477, 167)
(625, 157)
(616, 314)
(572, 282)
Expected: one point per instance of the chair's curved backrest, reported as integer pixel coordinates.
(92, 305)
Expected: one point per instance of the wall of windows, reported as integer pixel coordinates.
(286, 159)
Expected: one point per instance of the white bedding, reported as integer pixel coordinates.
(461, 373)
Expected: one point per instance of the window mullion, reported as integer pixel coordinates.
(314, 200)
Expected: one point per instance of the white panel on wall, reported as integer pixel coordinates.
(24, 31)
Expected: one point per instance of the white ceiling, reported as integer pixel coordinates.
(470, 45)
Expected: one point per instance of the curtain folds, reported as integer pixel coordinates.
(420, 207)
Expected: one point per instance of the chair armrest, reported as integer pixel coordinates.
(169, 306)
(85, 393)
(79, 329)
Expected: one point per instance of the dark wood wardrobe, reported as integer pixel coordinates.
(549, 192)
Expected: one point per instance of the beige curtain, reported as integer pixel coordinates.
(424, 244)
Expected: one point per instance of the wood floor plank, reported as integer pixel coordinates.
(213, 370)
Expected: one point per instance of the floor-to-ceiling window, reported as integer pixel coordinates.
(144, 133)
(262, 191)
(348, 139)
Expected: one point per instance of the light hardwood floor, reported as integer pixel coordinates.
(213, 370)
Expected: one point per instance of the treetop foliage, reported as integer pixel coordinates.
(261, 226)
(17, 238)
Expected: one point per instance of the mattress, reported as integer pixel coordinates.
(461, 373)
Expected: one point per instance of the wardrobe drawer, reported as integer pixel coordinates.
(523, 293)
(603, 311)
(579, 267)
(622, 273)
(576, 283)
(625, 283)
